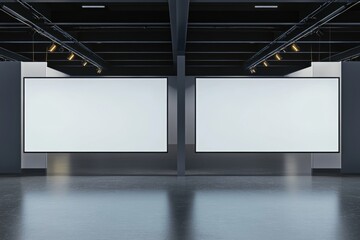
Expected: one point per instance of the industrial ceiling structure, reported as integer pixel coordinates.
(144, 37)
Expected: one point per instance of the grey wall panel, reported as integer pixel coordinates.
(327, 160)
(10, 117)
(237, 163)
(122, 163)
(165, 163)
(323, 69)
(113, 163)
(350, 154)
(247, 163)
(32, 69)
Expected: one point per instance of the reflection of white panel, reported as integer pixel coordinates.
(137, 209)
(267, 115)
(95, 115)
(317, 212)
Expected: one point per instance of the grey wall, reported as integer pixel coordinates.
(165, 163)
(323, 69)
(123, 163)
(237, 163)
(32, 160)
(140, 163)
(350, 118)
(35, 69)
(327, 160)
(10, 117)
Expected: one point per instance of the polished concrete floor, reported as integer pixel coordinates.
(186, 208)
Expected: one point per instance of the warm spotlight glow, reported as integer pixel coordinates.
(52, 48)
(252, 70)
(295, 47)
(278, 57)
(265, 63)
(71, 56)
(84, 63)
(99, 70)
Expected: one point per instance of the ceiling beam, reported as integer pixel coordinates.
(25, 13)
(12, 56)
(179, 12)
(306, 26)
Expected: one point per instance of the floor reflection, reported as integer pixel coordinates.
(189, 208)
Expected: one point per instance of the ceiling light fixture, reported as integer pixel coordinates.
(52, 48)
(278, 57)
(71, 56)
(252, 70)
(93, 6)
(99, 70)
(266, 6)
(295, 47)
(265, 63)
(84, 63)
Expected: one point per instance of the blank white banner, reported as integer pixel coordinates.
(267, 115)
(95, 115)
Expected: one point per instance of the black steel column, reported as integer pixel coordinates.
(179, 11)
(10, 117)
(181, 153)
(350, 122)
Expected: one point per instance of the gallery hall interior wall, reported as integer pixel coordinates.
(236, 163)
(35, 69)
(323, 69)
(123, 163)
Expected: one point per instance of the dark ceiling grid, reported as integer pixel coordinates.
(135, 37)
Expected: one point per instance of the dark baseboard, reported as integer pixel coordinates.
(10, 174)
(33, 172)
(326, 172)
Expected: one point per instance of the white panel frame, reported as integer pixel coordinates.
(102, 78)
(255, 78)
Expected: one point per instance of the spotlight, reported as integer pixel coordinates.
(71, 56)
(265, 63)
(84, 63)
(99, 70)
(52, 48)
(295, 47)
(252, 70)
(278, 57)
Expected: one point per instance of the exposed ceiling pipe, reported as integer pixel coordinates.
(12, 56)
(346, 55)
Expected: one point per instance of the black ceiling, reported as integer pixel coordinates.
(135, 38)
